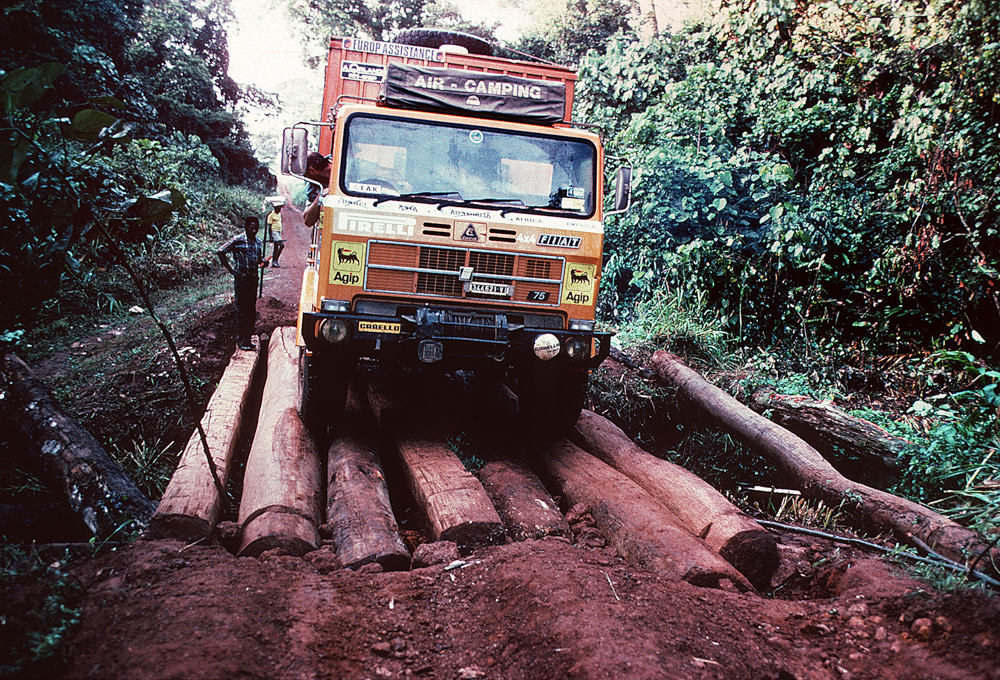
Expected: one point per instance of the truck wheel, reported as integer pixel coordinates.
(434, 38)
(322, 391)
(549, 402)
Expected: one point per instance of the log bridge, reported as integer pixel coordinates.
(655, 514)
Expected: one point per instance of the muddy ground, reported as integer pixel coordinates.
(537, 610)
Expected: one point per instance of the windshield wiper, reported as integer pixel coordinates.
(432, 195)
(526, 209)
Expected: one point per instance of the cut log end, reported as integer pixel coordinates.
(754, 554)
(394, 561)
(471, 535)
(293, 533)
(178, 526)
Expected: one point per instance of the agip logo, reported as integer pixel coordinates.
(347, 263)
(579, 282)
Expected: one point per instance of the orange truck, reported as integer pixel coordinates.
(462, 223)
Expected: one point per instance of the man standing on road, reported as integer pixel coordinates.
(248, 259)
(273, 222)
(318, 170)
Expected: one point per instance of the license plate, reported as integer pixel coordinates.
(498, 289)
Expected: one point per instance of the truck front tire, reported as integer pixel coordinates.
(549, 401)
(322, 392)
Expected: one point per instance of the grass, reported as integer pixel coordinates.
(45, 610)
(149, 464)
(677, 323)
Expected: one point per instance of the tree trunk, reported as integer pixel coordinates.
(803, 465)
(699, 508)
(527, 509)
(648, 25)
(641, 529)
(456, 505)
(838, 435)
(68, 456)
(282, 485)
(191, 504)
(359, 513)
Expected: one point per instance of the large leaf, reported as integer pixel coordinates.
(155, 208)
(87, 124)
(24, 86)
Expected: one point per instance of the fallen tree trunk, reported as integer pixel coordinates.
(359, 513)
(701, 510)
(455, 504)
(68, 456)
(520, 498)
(282, 485)
(834, 432)
(191, 504)
(803, 465)
(640, 528)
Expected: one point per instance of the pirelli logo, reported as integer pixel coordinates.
(379, 327)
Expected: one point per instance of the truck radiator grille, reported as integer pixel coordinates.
(406, 268)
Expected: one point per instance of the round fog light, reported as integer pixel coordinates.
(578, 349)
(333, 331)
(546, 346)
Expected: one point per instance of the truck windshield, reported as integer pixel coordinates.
(467, 164)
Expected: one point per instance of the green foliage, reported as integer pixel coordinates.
(375, 19)
(460, 446)
(180, 60)
(160, 65)
(955, 466)
(148, 464)
(50, 189)
(45, 611)
(583, 25)
(813, 170)
(679, 324)
(91, 38)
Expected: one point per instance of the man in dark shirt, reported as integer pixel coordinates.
(318, 170)
(248, 258)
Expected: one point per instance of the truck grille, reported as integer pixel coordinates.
(413, 269)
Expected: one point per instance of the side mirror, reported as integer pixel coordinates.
(623, 191)
(294, 151)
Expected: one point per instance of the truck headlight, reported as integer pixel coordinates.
(333, 331)
(581, 325)
(578, 349)
(546, 346)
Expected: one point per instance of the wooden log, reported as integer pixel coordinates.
(191, 504)
(522, 501)
(833, 431)
(359, 512)
(641, 529)
(68, 457)
(701, 510)
(283, 483)
(801, 464)
(455, 504)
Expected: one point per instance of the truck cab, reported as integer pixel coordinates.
(462, 228)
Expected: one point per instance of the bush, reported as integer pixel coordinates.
(813, 171)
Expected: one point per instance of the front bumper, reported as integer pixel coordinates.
(456, 338)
